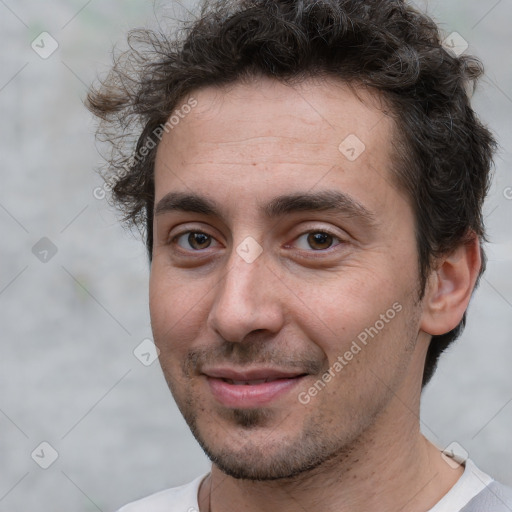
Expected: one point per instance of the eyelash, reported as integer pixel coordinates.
(314, 231)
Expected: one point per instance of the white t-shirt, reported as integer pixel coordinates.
(475, 491)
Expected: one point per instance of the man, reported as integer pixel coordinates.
(310, 177)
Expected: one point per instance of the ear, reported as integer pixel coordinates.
(449, 288)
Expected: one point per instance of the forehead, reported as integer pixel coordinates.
(267, 135)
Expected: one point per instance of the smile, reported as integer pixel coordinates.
(248, 389)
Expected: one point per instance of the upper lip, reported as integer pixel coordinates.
(251, 374)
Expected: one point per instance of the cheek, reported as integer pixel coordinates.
(176, 309)
(359, 316)
(344, 304)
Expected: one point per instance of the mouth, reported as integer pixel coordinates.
(250, 388)
(248, 382)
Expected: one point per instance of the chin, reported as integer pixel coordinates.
(256, 448)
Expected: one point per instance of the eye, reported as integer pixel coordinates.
(317, 240)
(193, 240)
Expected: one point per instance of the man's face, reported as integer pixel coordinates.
(258, 287)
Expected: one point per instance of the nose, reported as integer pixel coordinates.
(246, 300)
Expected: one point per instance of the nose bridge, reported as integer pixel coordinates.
(246, 299)
(240, 281)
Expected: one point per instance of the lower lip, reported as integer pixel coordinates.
(246, 396)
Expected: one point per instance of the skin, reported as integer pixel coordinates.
(356, 445)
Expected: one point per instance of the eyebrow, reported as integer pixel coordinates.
(327, 200)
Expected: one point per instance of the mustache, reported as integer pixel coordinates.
(244, 355)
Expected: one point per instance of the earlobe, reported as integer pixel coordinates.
(450, 287)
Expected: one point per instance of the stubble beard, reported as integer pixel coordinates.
(261, 449)
(282, 458)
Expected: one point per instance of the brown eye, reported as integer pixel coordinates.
(194, 240)
(199, 240)
(319, 241)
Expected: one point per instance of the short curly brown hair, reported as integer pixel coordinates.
(443, 152)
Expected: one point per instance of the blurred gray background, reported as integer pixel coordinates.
(73, 284)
